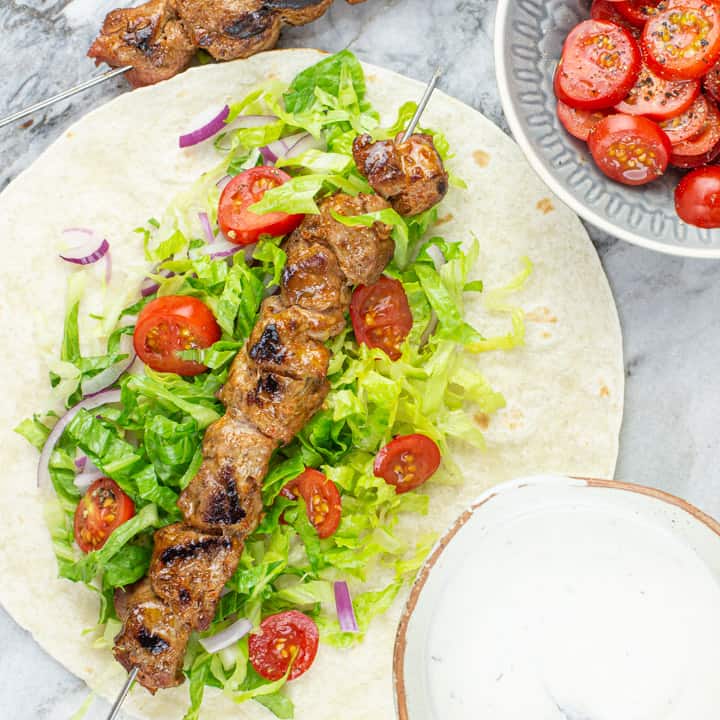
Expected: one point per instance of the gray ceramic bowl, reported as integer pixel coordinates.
(529, 35)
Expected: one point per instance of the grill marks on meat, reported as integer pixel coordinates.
(189, 570)
(153, 638)
(275, 385)
(225, 493)
(160, 37)
(409, 174)
(152, 38)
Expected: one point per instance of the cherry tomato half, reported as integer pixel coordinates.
(657, 98)
(170, 324)
(103, 508)
(630, 149)
(381, 316)
(579, 123)
(711, 83)
(278, 639)
(322, 500)
(407, 462)
(638, 12)
(682, 41)
(607, 10)
(241, 225)
(689, 124)
(599, 65)
(697, 197)
(702, 148)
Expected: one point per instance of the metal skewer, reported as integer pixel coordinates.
(408, 132)
(115, 709)
(423, 104)
(63, 95)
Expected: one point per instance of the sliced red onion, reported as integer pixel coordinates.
(206, 131)
(108, 268)
(281, 148)
(110, 376)
(103, 398)
(90, 247)
(81, 462)
(222, 248)
(207, 229)
(437, 256)
(344, 607)
(150, 286)
(222, 182)
(229, 636)
(84, 480)
(308, 142)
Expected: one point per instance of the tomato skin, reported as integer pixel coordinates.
(701, 148)
(697, 198)
(599, 65)
(638, 12)
(630, 149)
(607, 10)
(171, 324)
(682, 41)
(407, 462)
(242, 226)
(579, 123)
(322, 500)
(287, 632)
(103, 508)
(657, 98)
(711, 83)
(381, 316)
(689, 124)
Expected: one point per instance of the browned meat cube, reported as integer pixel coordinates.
(312, 277)
(224, 496)
(409, 174)
(151, 38)
(230, 29)
(153, 638)
(299, 12)
(189, 570)
(279, 344)
(278, 406)
(316, 325)
(362, 252)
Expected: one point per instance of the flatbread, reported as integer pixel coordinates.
(120, 165)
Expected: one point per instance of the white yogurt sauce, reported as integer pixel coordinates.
(585, 612)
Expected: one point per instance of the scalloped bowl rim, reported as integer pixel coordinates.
(521, 138)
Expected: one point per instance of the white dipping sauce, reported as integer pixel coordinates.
(578, 610)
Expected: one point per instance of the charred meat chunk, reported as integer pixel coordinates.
(410, 174)
(362, 252)
(153, 638)
(280, 344)
(278, 406)
(189, 570)
(299, 12)
(230, 29)
(320, 326)
(224, 496)
(312, 278)
(152, 38)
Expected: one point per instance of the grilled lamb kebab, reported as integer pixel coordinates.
(276, 384)
(160, 37)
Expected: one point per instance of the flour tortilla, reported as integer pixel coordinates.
(119, 166)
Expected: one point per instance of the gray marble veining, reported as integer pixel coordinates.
(669, 307)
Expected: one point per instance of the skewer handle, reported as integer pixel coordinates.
(63, 95)
(423, 104)
(115, 709)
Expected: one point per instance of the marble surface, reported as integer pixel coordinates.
(669, 307)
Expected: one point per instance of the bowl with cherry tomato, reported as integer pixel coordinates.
(616, 104)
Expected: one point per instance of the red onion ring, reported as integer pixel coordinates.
(84, 480)
(102, 398)
(308, 142)
(90, 251)
(207, 229)
(206, 131)
(281, 148)
(229, 636)
(344, 607)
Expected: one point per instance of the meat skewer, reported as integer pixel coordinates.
(276, 384)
